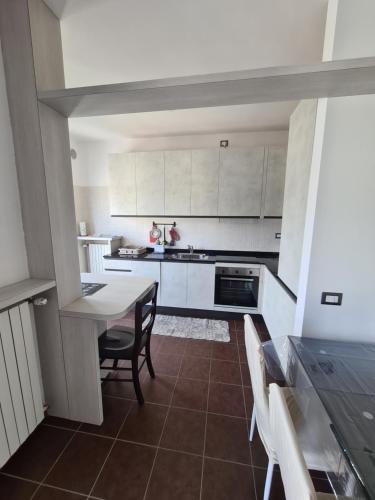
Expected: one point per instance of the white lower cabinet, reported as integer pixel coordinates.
(200, 286)
(187, 285)
(173, 284)
(181, 284)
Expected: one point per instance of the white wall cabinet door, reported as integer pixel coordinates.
(200, 286)
(150, 183)
(275, 181)
(177, 182)
(240, 182)
(204, 182)
(174, 284)
(122, 185)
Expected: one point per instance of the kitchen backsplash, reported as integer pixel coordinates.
(92, 206)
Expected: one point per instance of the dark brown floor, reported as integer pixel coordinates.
(188, 442)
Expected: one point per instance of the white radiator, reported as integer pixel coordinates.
(21, 403)
(96, 253)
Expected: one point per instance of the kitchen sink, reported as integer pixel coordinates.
(190, 256)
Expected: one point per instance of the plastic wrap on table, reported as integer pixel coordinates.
(275, 357)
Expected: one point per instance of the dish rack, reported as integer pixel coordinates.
(132, 250)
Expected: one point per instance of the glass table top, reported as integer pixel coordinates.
(343, 376)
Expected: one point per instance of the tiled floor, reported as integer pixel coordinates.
(188, 442)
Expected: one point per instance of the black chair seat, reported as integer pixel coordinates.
(118, 343)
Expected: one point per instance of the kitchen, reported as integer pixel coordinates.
(239, 191)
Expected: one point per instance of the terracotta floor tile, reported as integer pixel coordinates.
(61, 422)
(245, 374)
(173, 345)
(158, 390)
(191, 394)
(199, 348)
(225, 352)
(258, 453)
(249, 401)
(184, 431)
(15, 489)
(226, 399)
(126, 472)
(224, 481)
(277, 488)
(193, 367)
(242, 353)
(37, 455)
(144, 424)
(175, 476)
(226, 372)
(115, 411)
(227, 439)
(167, 364)
(79, 465)
(48, 493)
(119, 389)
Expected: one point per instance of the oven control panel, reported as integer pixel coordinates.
(237, 271)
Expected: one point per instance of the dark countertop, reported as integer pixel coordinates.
(269, 259)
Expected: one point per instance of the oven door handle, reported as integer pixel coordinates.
(238, 279)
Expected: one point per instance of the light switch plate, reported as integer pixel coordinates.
(331, 298)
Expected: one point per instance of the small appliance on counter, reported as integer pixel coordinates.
(132, 250)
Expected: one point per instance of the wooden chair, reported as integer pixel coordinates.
(126, 344)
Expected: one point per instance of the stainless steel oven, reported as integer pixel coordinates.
(237, 286)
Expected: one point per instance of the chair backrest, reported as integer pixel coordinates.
(145, 312)
(294, 473)
(255, 359)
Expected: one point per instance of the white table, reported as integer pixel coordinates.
(82, 322)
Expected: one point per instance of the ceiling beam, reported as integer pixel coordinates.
(326, 79)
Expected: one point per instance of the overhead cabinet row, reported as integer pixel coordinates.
(199, 182)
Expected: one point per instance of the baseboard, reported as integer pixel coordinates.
(200, 313)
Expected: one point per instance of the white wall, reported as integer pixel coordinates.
(342, 250)
(92, 198)
(13, 259)
(166, 38)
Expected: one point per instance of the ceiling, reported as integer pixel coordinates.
(111, 41)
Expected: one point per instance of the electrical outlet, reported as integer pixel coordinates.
(277, 236)
(331, 298)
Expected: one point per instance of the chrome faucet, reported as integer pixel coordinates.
(191, 249)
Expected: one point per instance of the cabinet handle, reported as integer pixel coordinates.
(238, 279)
(119, 270)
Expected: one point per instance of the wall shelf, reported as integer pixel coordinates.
(23, 290)
(284, 83)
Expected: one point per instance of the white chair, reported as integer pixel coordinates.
(260, 414)
(296, 478)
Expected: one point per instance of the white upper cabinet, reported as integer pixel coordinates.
(122, 187)
(240, 182)
(205, 182)
(275, 181)
(200, 182)
(150, 183)
(177, 182)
